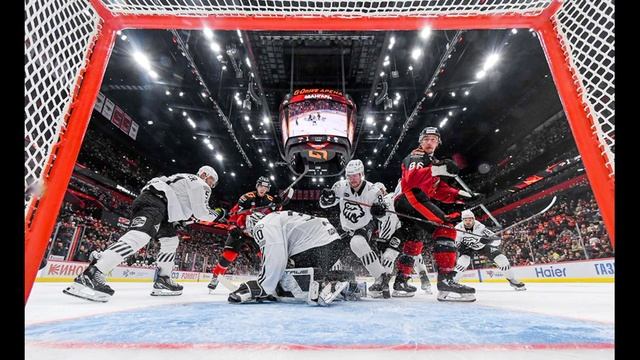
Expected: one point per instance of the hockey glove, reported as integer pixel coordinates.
(471, 196)
(180, 227)
(220, 214)
(452, 168)
(378, 210)
(327, 197)
(490, 239)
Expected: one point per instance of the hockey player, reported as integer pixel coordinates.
(305, 240)
(388, 226)
(258, 198)
(357, 220)
(163, 206)
(468, 244)
(421, 185)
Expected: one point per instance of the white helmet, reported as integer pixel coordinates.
(467, 214)
(252, 220)
(208, 171)
(354, 167)
(381, 186)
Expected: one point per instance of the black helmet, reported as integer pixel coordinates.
(430, 130)
(264, 181)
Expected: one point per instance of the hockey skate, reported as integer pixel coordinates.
(213, 284)
(330, 290)
(447, 287)
(165, 286)
(401, 287)
(90, 285)
(380, 287)
(425, 284)
(517, 284)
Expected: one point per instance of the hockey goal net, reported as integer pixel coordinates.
(68, 43)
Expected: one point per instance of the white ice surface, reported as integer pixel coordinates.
(590, 302)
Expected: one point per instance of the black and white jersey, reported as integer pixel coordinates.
(354, 216)
(187, 195)
(472, 241)
(283, 234)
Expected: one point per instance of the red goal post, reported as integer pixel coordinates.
(68, 44)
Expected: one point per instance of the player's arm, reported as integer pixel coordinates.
(378, 207)
(199, 193)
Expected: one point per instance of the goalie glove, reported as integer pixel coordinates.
(327, 197)
(378, 210)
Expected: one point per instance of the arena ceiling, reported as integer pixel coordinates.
(486, 90)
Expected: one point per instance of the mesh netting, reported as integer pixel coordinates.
(348, 8)
(586, 28)
(58, 36)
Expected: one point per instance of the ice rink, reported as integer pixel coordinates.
(549, 320)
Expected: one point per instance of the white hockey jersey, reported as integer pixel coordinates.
(354, 216)
(474, 241)
(298, 232)
(390, 222)
(282, 234)
(187, 195)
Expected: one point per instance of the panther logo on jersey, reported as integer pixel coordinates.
(353, 212)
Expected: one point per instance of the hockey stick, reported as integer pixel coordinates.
(484, 208)
(415, 218)
(553, 201)
(304, 172)
(227, 283)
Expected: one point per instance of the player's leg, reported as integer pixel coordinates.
(163, 284)
(411, 248)
(148, 212)
(503, 264)
(464, 260)
(232, 245)
(420, 268)
(369, 258)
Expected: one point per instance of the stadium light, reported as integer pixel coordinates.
(233, 174)
(149, 122)
(193, 124)
(215, 46)
(208, 33)
(219, 157)
(369, 120)
(266, 119)
(443, 122)
(425, 32)
(260, 151)
(392, 41)
(142, 60)
(416, 53)
(153, 74)
(181, 94)
(210, 146)
(248, 62)
(491, 61)
(314, 179)
(270, 164)
(272, 177)
(375, 150)
(514, 31)
(251, 128)
(480, 74)
(464, 109)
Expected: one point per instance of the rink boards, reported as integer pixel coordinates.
(600, 270)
